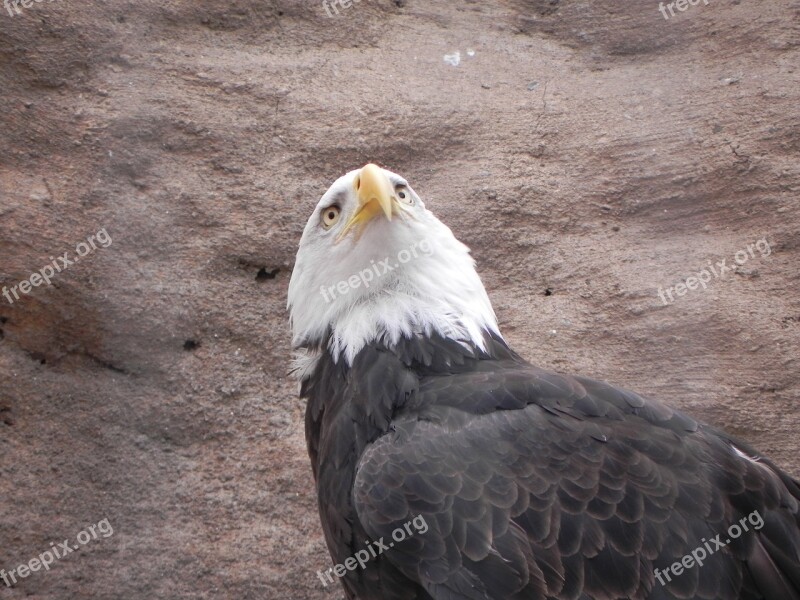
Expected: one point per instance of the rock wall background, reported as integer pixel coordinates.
(589, 152)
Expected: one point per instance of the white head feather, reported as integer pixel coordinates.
(384, 280)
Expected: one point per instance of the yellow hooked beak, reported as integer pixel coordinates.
(375, 195)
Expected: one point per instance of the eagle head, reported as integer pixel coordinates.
(375, 265)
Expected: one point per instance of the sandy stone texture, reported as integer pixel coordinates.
(590, 153)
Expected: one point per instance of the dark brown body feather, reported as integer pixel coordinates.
(534, 485)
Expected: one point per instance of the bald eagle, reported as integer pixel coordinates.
(531, 484)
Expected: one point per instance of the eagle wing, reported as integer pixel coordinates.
(536, 485)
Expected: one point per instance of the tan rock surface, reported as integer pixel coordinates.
(589, 153)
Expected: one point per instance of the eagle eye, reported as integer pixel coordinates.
(404, 194)
(330, 216)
